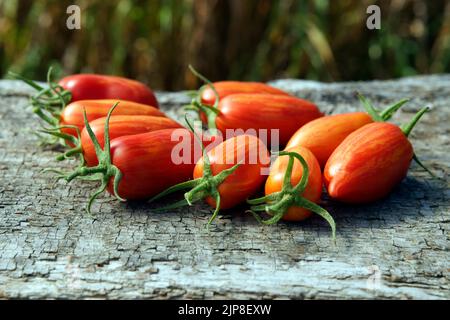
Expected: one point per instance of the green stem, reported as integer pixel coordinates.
(77, 150)
(369, 108)
(52, 99)
(384, 115)
(29, 82)
(387, 113)
(407, 129)
(410, 126)
(181, 186)
(211, 112)
(416, 159)
(105, 170)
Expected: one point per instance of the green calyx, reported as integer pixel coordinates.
(77, 150)
(278, 203)
(407, 128)
(384, 115)
(211, 112)
(387, 113)
(202, 187)
(104, 171)
(48, 102)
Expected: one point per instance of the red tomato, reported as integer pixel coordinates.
(264, 111)
(146, 164)
(368, 164)
(321, 136)
(72, 114)
(226, 88)
(120, 126)
(95, 86)
(246, 179)
(313, 189)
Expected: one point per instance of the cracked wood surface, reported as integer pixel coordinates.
(395, 248)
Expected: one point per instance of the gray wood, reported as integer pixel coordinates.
(396, 248)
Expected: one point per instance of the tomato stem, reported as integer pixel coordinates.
(105, 170)
(407, 128)
(211, 112)
(29, 82)
(47, 102)
(278, 203)
(370, 109)
(56, 132)
(385, 114)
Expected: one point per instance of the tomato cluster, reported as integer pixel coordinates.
(115, 127)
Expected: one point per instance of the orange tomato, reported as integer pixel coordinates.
(72, 114)
(322, 136)
(313, 190)
(368, 164)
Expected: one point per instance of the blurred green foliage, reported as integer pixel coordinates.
(155, 40)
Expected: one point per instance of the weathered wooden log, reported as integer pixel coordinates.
(395, 248)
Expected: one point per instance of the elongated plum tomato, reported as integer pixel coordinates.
(264, 111)
(138, 166)
(145, 161)
(95, 86)
(370, 162)
(226, 175)
(72, 114)
(313, 189)
(321, 136)
(120, 126)
(246, 179)
(226, 88)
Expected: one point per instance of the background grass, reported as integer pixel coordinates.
(155, 40)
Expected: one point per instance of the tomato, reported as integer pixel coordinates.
(313, 189)
(226, 175)
(94, 86)
(211, 93)
(264, 111)
(292, 189)
(86, 87)
(137, 166)
(226, 88)
(370, 162)
(120, 126)
(145, 162)
(72, 114)
(323, 135)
